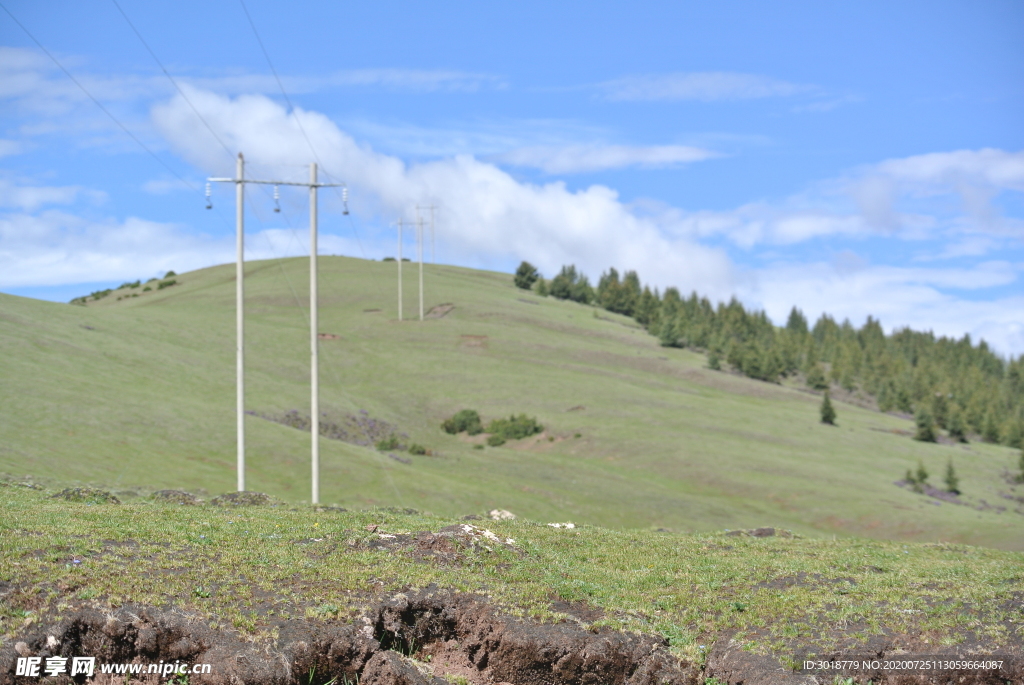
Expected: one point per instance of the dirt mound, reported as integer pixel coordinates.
(762, 533)
(176, 497)
(87, 495)
(439, 310)
(246, 498)
(429, 637)
(403, 640)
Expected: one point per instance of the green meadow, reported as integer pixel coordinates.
(138, 394)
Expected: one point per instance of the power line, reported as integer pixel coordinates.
(291, 110)
(168, 75)
(98, 103)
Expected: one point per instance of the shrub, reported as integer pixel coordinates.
(925, 425)
(146, 289)
(166, 284)
(169, 274)
(526, 276)
(513, 428)
(917, 479)
(416, 448)
(714, 361)
(542, 287)
(952, 482)
(466, 420)
(388, 443)
(816, 378)
(828, 414)
(495, 440)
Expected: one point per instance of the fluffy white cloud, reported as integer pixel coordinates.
(940, 196)
(10, 147)
(487, 213)
(573, 159)
(30, 198)
(899, 297)
(60, 248)
(56, 247)
(705, 86)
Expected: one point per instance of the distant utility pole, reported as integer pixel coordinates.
(433, 260)
(419, 247)
(399, 224)
(240, 182)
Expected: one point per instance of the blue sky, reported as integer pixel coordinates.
(853, 158)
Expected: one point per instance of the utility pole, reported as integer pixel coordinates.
(314, 337)
(400, 269)
(240, 182)
(419, 246)
(240, 320)
(433, 260)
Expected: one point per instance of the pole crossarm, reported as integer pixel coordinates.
(276, 183)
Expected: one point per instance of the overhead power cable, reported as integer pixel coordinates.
(168, 75)
(291, 110)
(99, 104)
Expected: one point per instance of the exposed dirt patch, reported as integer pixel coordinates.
(425, 637)
(242, 499)
(473, 341)
(763, 533)
(176, 497)
(579, 610)
(358, 429)
(439, 310)
(443, 633)
(87, 495)
(328, 336)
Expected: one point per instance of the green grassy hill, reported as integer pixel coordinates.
(139, 392)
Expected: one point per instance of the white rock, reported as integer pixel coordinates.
(501, 515)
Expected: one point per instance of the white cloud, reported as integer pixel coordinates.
(30, 198)
(588, 158)
(705, 86)
(10, 147)
(940, 197)
(899, 297)
(480, 138)
(487, 213)
(56, 247)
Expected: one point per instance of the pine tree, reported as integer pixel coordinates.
(952, 482)
(828, 414)
(955, 424)
(921, 477)
(525, 276)
(816, 378)
(925, 425)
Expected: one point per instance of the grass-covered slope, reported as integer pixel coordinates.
(140, 392)
(249, 569)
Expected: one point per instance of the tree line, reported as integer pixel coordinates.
(964, 388)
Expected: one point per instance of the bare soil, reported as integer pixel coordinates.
(430, 637)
